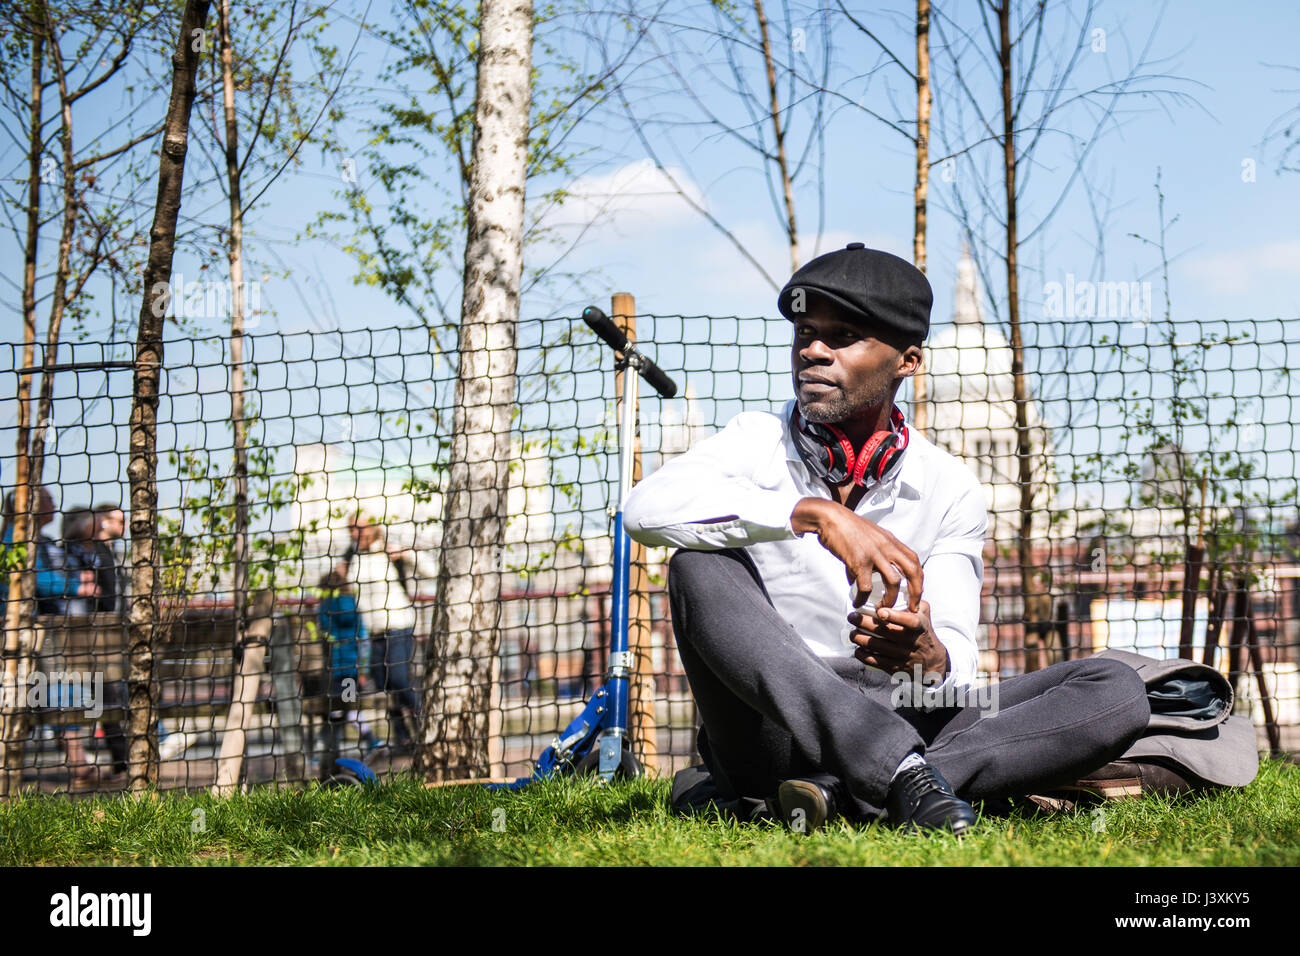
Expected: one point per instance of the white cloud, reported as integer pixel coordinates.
(644, 237)
(628, 199)
(1247, 270)
(768, 245)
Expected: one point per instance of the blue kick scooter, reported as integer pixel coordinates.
(597, 738)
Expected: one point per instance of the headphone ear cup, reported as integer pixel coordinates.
(875, 453)
(829, 454)
(884, 458)
(841, 452)
(816, 446)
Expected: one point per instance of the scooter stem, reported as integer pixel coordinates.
(611, 742)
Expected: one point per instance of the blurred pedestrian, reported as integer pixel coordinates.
(78, 556)
(110, 526)
(340, 622)
(54, 585)
(389, 616)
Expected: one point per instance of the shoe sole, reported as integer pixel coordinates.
(1114, 789)
(957, 828)
(800, 796)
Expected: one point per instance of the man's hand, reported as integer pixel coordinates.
(896, 640)
(864, 547)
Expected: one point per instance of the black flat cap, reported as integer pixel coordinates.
(872, 285)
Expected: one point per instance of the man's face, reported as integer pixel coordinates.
(839, 368)
(363, 534)
(44, 509)
(111, 525)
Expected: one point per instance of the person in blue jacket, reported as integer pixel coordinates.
(340, 621)
(54, 585)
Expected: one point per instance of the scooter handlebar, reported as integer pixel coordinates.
(613, 336)
(660, 382)
(604, 326)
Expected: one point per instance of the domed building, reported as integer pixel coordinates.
(972, 411)
(680, 428)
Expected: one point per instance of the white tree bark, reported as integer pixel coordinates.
(460, 736)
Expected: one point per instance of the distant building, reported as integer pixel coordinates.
(681, 427)
(336, 484)
(407, 499)
(973, 412)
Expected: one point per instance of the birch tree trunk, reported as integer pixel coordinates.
(236, 245)
(22, 591)
(62, 269)
(461, 699)
(1037, 602)
(774, 108)
(142, 466)
(920, 398)
(28, 636)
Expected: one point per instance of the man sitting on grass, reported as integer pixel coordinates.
(793, 653)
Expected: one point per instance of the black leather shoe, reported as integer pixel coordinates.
(807, 803)
(922, 799)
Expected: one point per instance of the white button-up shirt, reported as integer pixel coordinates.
(738, 488)
(381, 599)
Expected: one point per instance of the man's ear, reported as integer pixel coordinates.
(909, 361)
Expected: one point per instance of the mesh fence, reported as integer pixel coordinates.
(1161, 456)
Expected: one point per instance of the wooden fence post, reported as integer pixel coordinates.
(243, 695)
(645, 742)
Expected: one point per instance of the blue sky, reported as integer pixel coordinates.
(1236, 247)
(1237, 252)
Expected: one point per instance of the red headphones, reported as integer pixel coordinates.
(829, 454)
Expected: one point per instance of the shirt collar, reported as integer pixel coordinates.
(908, 478)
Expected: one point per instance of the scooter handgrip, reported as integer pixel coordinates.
(662, 384)
(603, 326)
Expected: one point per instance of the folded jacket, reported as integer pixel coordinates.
(1192, 728)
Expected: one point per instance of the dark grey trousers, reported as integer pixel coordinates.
(772, 709)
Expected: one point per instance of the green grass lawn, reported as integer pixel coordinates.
(578, 823)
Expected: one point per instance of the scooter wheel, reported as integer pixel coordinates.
(629, 768)
(349, 772)
(339, 780)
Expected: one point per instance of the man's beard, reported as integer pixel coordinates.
(841, 406)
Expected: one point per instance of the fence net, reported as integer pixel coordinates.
(1149, 443)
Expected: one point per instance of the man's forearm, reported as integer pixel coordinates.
(729, 514)
(864, 547)
(812, 514)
